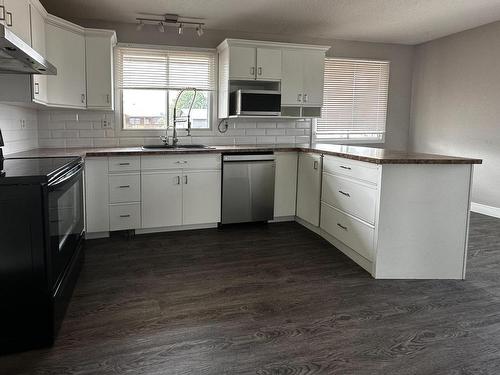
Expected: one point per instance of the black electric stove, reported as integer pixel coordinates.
(41, 252)
(36, 170)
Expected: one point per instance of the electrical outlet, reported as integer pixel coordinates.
(23, 123)
(105, 124)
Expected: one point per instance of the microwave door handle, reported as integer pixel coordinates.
(68, 176)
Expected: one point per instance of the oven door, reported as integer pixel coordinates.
(65, 220)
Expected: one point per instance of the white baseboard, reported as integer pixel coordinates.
(485, 210)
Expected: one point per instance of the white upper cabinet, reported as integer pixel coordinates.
(99, 65)
(38, 43)
(268, 64)
(242, 63)
(66, 50)
(254, 63)
(17, 18)
(303, 77)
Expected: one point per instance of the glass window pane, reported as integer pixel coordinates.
(144, 109)
(200, 112)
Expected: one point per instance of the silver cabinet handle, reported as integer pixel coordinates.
(185, 179)
(124, 215)
(305, 98)
(123, 163)
(107, 98)
(252, 71)
(344, 167)
(178, 180)
(9, 19)
(37, 88)
(342, 226)
(299, 98)
(2, 13)
(181, 162)
(315, 164)
(344, 193)
(259, 71)
(83, 98)
(124, 186)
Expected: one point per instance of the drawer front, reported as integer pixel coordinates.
(125, 216)
(354, 233)
(182, 161)
(124, 163)
(349, 196)
(351, 168)
(124, 188)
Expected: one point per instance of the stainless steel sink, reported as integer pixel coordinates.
(172, 147)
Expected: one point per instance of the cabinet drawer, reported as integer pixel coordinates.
(351, 168)
(124, 163)
(352, 232)
(200, 161)
(125, 216)
(349, 196)
(124, 188)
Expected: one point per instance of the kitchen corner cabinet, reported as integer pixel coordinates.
(65, 45)
(285, 186)
(309, 187)
(17, 18)
(99, 68)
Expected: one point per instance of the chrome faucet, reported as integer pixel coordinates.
(176, 120)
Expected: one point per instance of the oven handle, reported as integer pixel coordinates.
(68, 176)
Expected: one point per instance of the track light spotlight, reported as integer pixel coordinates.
(199, 30)
(161, 27)
(180, 29)
(140, 25)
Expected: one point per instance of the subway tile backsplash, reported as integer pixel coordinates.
(66, 128)
(19, 128)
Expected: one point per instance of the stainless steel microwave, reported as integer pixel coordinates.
(255, 103)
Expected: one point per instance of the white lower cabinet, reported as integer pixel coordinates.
(309, 187)
(124, 216)
(96, 195)
(285, 184)
(161, 199)
(201, 197)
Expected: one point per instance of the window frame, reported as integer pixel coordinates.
(378, 139)
(154, 133)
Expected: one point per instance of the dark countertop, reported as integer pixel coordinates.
(366, 154)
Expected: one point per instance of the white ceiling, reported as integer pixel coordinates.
(391, 21)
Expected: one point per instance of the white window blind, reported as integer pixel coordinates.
(164, 69)
(355, 99)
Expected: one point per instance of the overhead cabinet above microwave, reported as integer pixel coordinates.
(84, 61)
(295, 70)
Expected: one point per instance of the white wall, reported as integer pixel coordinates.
(456, 103)
(401, 57)
(19, 128)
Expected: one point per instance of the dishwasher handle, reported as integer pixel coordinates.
(248, 158)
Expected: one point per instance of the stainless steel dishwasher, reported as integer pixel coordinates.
(247, 187)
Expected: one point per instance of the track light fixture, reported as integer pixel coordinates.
(199, 30)
(163, 21)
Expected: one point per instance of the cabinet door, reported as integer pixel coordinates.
(66, 50)
(99, 63)
(292, 77)
(309, 188)
(242, 63)
(314, 71)
(38, 44)
(17, 14)
(161, 199)
(268, 63)
(201, 197)
(96, 195)
(285, 187)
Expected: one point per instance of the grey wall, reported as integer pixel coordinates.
(401, 57)
(456, 103)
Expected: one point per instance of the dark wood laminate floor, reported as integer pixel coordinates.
(269, 301)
